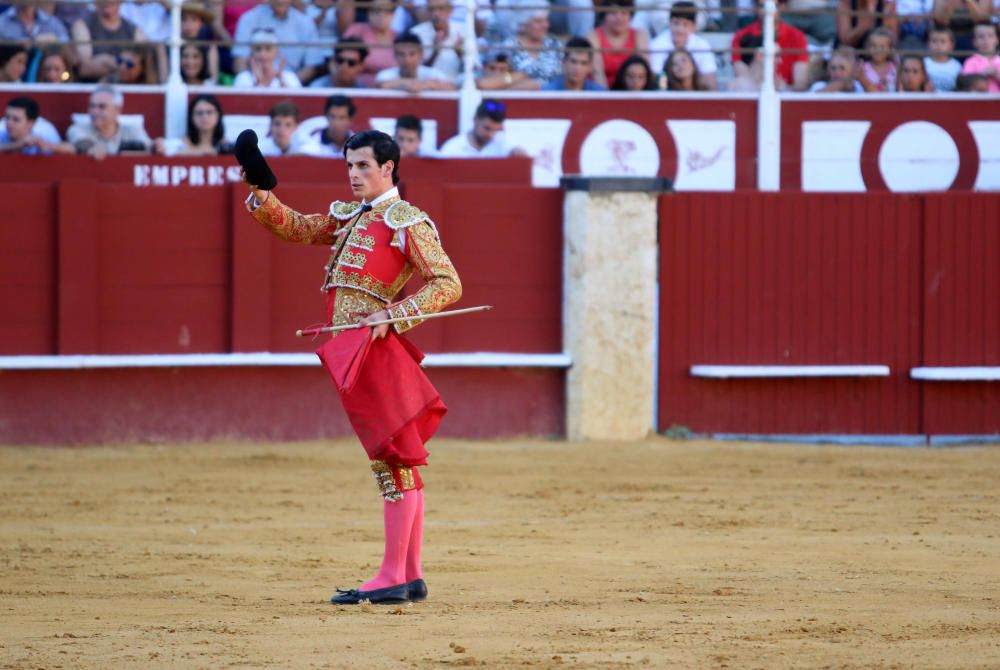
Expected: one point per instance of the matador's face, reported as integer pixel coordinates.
(368, 179)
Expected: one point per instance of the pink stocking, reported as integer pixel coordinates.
(413, 568)
(398, 521)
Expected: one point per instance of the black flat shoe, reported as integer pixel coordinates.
(416, 590)
(386, 596)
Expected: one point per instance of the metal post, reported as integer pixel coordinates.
(469, 96)
(175, 99)
(769, 112)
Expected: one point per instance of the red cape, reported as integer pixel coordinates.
(391, 404)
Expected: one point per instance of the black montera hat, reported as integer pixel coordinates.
(252, 161)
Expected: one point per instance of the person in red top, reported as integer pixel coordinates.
(615, 40)
(791, 63)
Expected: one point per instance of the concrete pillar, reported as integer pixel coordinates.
(610, 305)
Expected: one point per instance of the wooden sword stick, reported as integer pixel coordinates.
(355, 326)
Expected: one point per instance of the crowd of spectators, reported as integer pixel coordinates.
(912, 46)
(419, 45)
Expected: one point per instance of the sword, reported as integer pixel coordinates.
(354, 326)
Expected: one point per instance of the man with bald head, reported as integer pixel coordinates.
(103, 133)
(292, 28)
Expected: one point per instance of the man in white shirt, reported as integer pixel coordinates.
(27, 133)
(266, 67)
(681, 35)
(485, 140)
(442, 39)
(281, 139)
(339, 111)
(410, 74)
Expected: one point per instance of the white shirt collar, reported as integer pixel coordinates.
(391, 193)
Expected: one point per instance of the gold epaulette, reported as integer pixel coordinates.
(402, 214)
(344, 210)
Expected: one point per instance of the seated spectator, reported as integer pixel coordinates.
(912, 75)
(942, 69)
(815, 18)
(497, 74)
(377, 34)
(100, 37)
(578, 64)
(408, 135)
(55, 68)
(682, 72)
(291, 28)
(914, 23)
(331, 18)
(345, 67)
(22, 132)
(410, 74)
(841, 70)
(616, 40)
(972, 83)
(749, 77)
(442, 38)
(485, 139)
(206, 130)
(878, 73)
(151, 16)
(267, 68)
(13, 62)
(104, 134)
(576, 20)
(196, 28)
(653, 16)
(339, 111)
(534, 52)
(961, 16)
(26, 22)
(136, 65)
(985, 61)
(681, 35)
(194, 66)
(856, 19)
(792, 59)
(635, 75)
(281, 138)
(68, 13)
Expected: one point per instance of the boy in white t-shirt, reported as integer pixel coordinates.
(281, 139)
(941, 68)
(681, 35)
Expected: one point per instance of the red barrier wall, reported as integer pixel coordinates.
(112, 268)
(797, 279)
(27, 268)
(68, 407)
(962, 310)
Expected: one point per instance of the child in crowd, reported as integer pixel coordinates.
(681, 73)
(941, 68)
(841, 70)
(985, 61)
(972, 83)
(912, 75)
(878, 74)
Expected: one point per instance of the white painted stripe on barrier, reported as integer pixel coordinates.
(267, 359)
(957, 374)
(766, 371)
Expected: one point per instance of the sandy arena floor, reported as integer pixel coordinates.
(657, 554)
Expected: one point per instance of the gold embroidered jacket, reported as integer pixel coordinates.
(373, 255)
